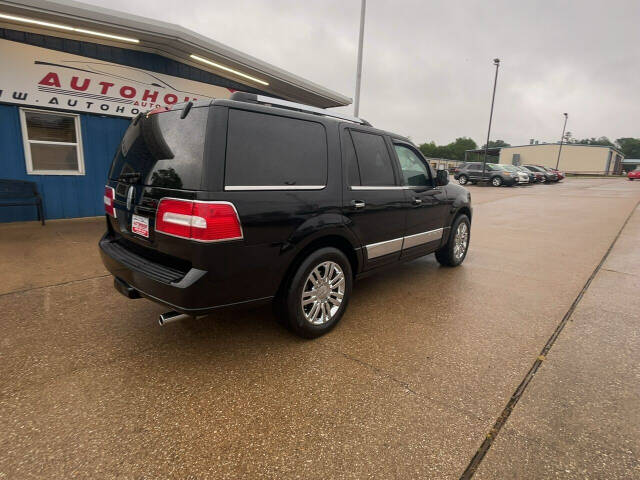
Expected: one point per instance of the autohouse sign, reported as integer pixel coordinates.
(37, 76)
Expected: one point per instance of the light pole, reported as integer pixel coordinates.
(496, 62)
(566, 116)
(356, 101)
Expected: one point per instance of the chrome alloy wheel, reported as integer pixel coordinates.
(460, 241)
(322, 293)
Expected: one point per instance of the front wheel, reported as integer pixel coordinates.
(455, 251)
(317, 294)
(462, 179)
(496, 181)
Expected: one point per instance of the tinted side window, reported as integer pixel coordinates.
(373, 160)
(413, 168)
(268, 150)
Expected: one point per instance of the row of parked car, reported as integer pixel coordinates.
(509, 175)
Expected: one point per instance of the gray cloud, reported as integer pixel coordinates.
(427, 69)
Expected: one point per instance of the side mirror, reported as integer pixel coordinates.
(442, 177)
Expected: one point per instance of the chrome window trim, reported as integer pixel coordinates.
(234, 188)
(361, 187)
(422, 238)
(395, 187)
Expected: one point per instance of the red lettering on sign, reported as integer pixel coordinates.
(170, 99)
(105, 87)
(128, 92)
(75, 86)
(50, 79)
(148, 96)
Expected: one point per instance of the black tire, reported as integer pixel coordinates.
(463, 179)
(496, 181)
(289, 304)
(445, 255)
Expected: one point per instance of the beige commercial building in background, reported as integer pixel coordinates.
(589, 159)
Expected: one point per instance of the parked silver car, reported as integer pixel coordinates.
(519, 176)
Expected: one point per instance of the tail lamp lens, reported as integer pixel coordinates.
(109, 196)
(201, 221)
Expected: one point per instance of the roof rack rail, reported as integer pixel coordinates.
(301, 107)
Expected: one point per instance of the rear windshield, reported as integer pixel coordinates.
(164, 150)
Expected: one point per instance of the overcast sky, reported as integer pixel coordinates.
(427, 69)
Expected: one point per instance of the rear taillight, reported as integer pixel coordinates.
(200, 221)
(109, 196)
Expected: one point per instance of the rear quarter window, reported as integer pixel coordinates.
(266, 150)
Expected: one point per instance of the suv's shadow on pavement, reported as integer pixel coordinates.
(258, 325)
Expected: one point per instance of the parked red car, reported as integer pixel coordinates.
(633, 174)
(560, 174)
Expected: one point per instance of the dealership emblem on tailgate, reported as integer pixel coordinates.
(130, 194)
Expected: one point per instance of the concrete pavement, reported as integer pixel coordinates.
(406, 386)
(579, 416)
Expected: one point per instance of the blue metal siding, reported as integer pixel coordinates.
(80, 196)
(64, 196)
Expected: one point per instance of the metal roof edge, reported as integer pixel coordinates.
(172, 32)
(564, 145)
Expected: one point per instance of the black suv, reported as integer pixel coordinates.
(258, 199)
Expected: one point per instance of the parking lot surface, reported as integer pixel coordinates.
(407, 386)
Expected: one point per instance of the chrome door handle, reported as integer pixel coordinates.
(358, 204)
(417, 201)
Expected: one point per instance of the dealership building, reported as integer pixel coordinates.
(73, 76)
(574, 158)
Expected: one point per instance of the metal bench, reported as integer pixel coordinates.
(17, 193)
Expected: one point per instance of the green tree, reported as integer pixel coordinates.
(428, 149)
(596, 141)
(452, 151)
(496, 144)
(629, 146)
(458, 147)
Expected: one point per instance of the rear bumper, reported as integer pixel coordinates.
(190, 292)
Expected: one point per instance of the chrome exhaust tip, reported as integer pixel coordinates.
(170, 317)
